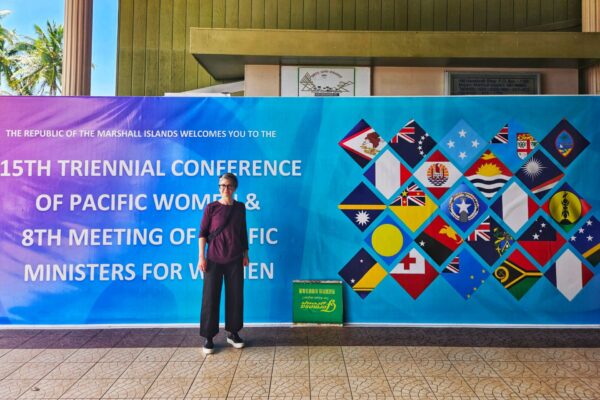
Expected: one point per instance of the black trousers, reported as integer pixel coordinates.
(233, 273)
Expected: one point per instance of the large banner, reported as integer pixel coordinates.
(465, 210)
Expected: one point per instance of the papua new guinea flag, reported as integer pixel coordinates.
(362, 206)
(539, 174)
(465, 274)
(488, 174)
(414, 273)
(412, 143)
(566, 207)
(490, 240)
(362, 143)
(439, 240)
(387, 174)
(437, 174)
(569, 275)
(564, 143)
(362, 273)
(515, 207)
(517, 274)
(541, 240)
(586, 240)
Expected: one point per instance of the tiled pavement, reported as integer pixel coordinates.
(302, 363)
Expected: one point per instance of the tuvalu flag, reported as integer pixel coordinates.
(490, 240)
(412, 143)
(413, 206)
(517, 274)
(362, 206)
(387, 174)
(566, 207)
(439, 240)
(539, 174)
(515, 207)
(541, 240)
(586, 240)
(362, 273)
(414, 273)
(488, 174)
(437, 174)
(362, 143)
(465, 274)
(569, 275)
(565, 143)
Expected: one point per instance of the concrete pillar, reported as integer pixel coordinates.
(77, 50)
(590, 22)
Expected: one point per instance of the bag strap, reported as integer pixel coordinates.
(216, 233)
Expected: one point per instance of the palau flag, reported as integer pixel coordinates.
(569, 275)
(363, 273)
(541, 240)
(414, 273)
(515, 207)
(412, 143)
(564, 143)
(488, 174)
(388, 239)
(413, 206)
(437, 174)
(586, 241)
(465, 274)
(512, 144)
(463, 207)
(490, 240)
(387, 174)
(566, 207)
(362, 143)
(439, 240)
(462, 144)
(539, 174)
(362, 206)
(517, 274)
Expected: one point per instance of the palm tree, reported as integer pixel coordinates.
(6, 44)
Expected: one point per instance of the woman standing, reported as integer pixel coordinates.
(223, 227)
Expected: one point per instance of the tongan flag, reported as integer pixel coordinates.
(413, 206)
(566, 207)
(387, 174)
(362, 206)
(539, 174)
(465, 274)
(569, 275)
(388, 239)
(439, 240)
(462, 143)
(363, 273)
(565, 143)
(515, 207)
(437, 174)
(587, 241)
(412, 143)
(490, 240)
(463, 207)
(414, 273)
(362, 143)
(488, 174)
(517, 274)
(541, 240)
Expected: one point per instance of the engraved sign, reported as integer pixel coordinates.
(491, 83)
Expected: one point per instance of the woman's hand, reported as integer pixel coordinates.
(202, 264)
(245, 261)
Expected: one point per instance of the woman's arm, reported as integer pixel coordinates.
(201, 257)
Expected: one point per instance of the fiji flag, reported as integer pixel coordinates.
(565, 143)
(517, 274)
(362, 143)
(462, 143)
(490, 240)
(539, 174)
(414, 273)
(541, 240)
(439, 240)
(387, 174)
(362, 273)
(465, 274)
(412, 143)
(587, 241)
(512, 144)
(569, 275)
(362, 206)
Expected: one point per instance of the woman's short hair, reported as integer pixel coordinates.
(231, 178)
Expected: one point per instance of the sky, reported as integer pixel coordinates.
(26, 13)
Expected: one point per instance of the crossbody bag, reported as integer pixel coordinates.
(216, 233)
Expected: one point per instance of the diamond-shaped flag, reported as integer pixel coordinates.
(566, 207)
(412, 143)
(564, 143)
(463, 206)
(512, 144)
(363, 273)
(541, 240)
(362, 143)
(515, 207)
(465, 274)
(462, 143)
(413, 206)
(569, 275)
(525, 144)
(439, 240)
(437, 174)
(539, 174)
(488, 174)
(388, 239)
(387, 174)
(517, 274)
(490, 240)
(414, 273)
(362, 206)
(586, 240)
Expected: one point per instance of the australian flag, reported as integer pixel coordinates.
(412, 143)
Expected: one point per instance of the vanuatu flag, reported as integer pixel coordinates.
(363, 273)
(362, 143)
(587, 240)
(541, 240)
(439, 240)
(362, 206)
(566, 207)
(564, 143)
(517, 274)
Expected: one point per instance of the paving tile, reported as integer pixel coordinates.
(487, 387)
(393, 353)
(217, 369)
(209, 387)
(474, 369)
(87, 355)
(88, 389)
(225, 354)
(400, 368)
(32, 370)
(511, 369)
(565, 354)
(69, 370)
(48, 389)
(437, 368)
(121, 354)
(124, 388)
(290, 368)
(538, 355)
(191, 354)
(325, 353)
(327, 368)
(330, 387)
(529, 387)
(20, 355)
(173, 388)
(11, 389)
(156, 354)
(449, 386)
(370, 387)
(7, 368)
(572, 388)
(108, 370)
(582, 369)
(262, 354)
(359, 353)
(249, 387)
(143, 370)
(368, 367)
(178, 369)
(549, 369)
(414, 387)
(53, 355)
(461, 354)
(497, 353)
(297, 386)
(291, 353)
(592, 354)
(252, 368)
(426, 353)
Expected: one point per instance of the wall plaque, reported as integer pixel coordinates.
(492, 83)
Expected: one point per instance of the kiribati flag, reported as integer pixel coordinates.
(412, 143)
(439, 240)
(539, 174)
(490, 240)
(565, 143)
(363, 273)
(587, 241)
(488, 174)
(362, 206)
(465, 274)
(362, 143)
(541, 240)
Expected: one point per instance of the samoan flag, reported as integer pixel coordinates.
(465, 274)
(517, 274)
(362, 206)
(463, 207)
(564, 143)
(515, 207)
(414, 273)
(362, 143)
(412, 143)
(362, 273)
(569, 275)
(512, 144)
(541, 240)
(586, 240)
(490, 240)
(566, 207)
(387, 174)
(462, 144)
(539, 174)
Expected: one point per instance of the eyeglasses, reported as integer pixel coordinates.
(226, 186)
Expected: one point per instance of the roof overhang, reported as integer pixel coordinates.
(225, 52)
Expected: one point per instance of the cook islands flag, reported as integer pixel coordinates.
(412, 143)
